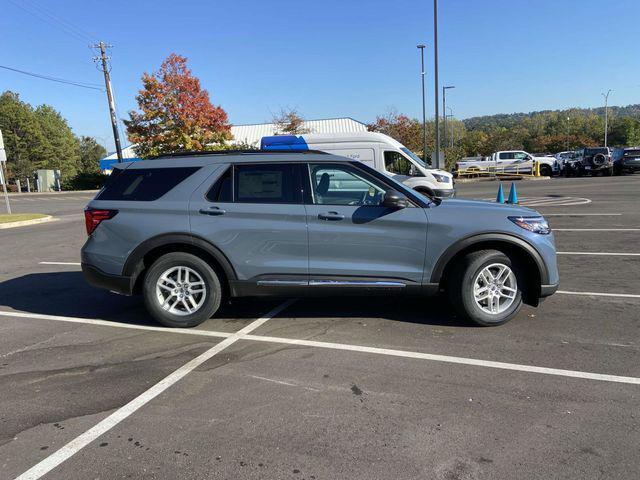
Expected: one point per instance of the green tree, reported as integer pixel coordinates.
(405, 130)
(61, 150)
(175, 113)
(90, 154)
(22, 134)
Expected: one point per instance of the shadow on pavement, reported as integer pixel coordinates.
(410, 309)
(67, 294)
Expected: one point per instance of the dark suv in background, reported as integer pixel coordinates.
(191, 231)
(626, 160)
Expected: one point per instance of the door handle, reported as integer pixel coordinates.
(213, 211)
(334, 216)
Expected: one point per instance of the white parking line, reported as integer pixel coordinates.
(598, 294)
(596, 229)
(107, 323)
(449, 359)
(582, 214)
(242, 334)
(78, 443)
(614, 254)
(59, 263)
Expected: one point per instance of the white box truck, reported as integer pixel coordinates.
(377, 150)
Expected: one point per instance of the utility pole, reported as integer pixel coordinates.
(566, 147)
(424, 107)
(606, 115)
(112, 106)
(3, 177)
(435, 79)
(444, 112)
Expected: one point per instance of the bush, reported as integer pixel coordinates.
(85, 181)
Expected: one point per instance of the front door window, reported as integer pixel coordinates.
(334, 184)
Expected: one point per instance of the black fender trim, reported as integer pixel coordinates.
(134, 264)
(449, 253)
(115, 283)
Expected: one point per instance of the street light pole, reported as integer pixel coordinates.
(606, 115)
(452, 135)
(424, 106)
(435, 80)
(444, 112)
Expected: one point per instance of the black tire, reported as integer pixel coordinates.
(617, 170)
(607, 172)
(212, 296)
(460, 287)
(545, 171)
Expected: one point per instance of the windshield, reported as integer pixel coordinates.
(414, 157)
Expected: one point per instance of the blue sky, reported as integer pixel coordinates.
(330, 58)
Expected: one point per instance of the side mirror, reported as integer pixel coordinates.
(394, 199)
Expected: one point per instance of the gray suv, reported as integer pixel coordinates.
(191, 230)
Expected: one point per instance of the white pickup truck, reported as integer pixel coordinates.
(509, 161)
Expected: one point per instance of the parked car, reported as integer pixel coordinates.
(626, 160)
(596, 160)
(190, 231)
(377, 150)
(510, 161)
(566, 156)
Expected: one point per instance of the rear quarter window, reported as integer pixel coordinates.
(144, 184)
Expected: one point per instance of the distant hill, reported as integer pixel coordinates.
(508, 120)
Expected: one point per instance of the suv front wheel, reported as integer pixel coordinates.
(181, 290)
(484, 288)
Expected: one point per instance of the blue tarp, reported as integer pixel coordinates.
(107, 163)
(284, 142)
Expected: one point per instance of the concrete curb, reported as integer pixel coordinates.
(24, 223)
(63, 192)
(504, 179)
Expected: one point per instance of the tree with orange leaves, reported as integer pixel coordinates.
(175, 113)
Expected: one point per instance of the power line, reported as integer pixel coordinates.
(92, 86)
(47, 16)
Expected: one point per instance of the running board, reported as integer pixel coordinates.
(360, 283)
(329, 283)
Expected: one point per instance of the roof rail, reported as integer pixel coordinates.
(230, 152)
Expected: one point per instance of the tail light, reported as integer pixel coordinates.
(93, 217)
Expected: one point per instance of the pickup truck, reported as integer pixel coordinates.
(509, 161)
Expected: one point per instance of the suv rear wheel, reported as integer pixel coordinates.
(181, 290)
(484, 288)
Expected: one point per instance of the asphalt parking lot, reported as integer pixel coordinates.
(373, 388)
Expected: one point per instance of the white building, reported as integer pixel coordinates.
(253, 133)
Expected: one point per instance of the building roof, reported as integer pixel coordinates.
(253, 133)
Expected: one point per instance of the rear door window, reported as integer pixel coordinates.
(267, 183)
(144, 184)
(222, 190)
